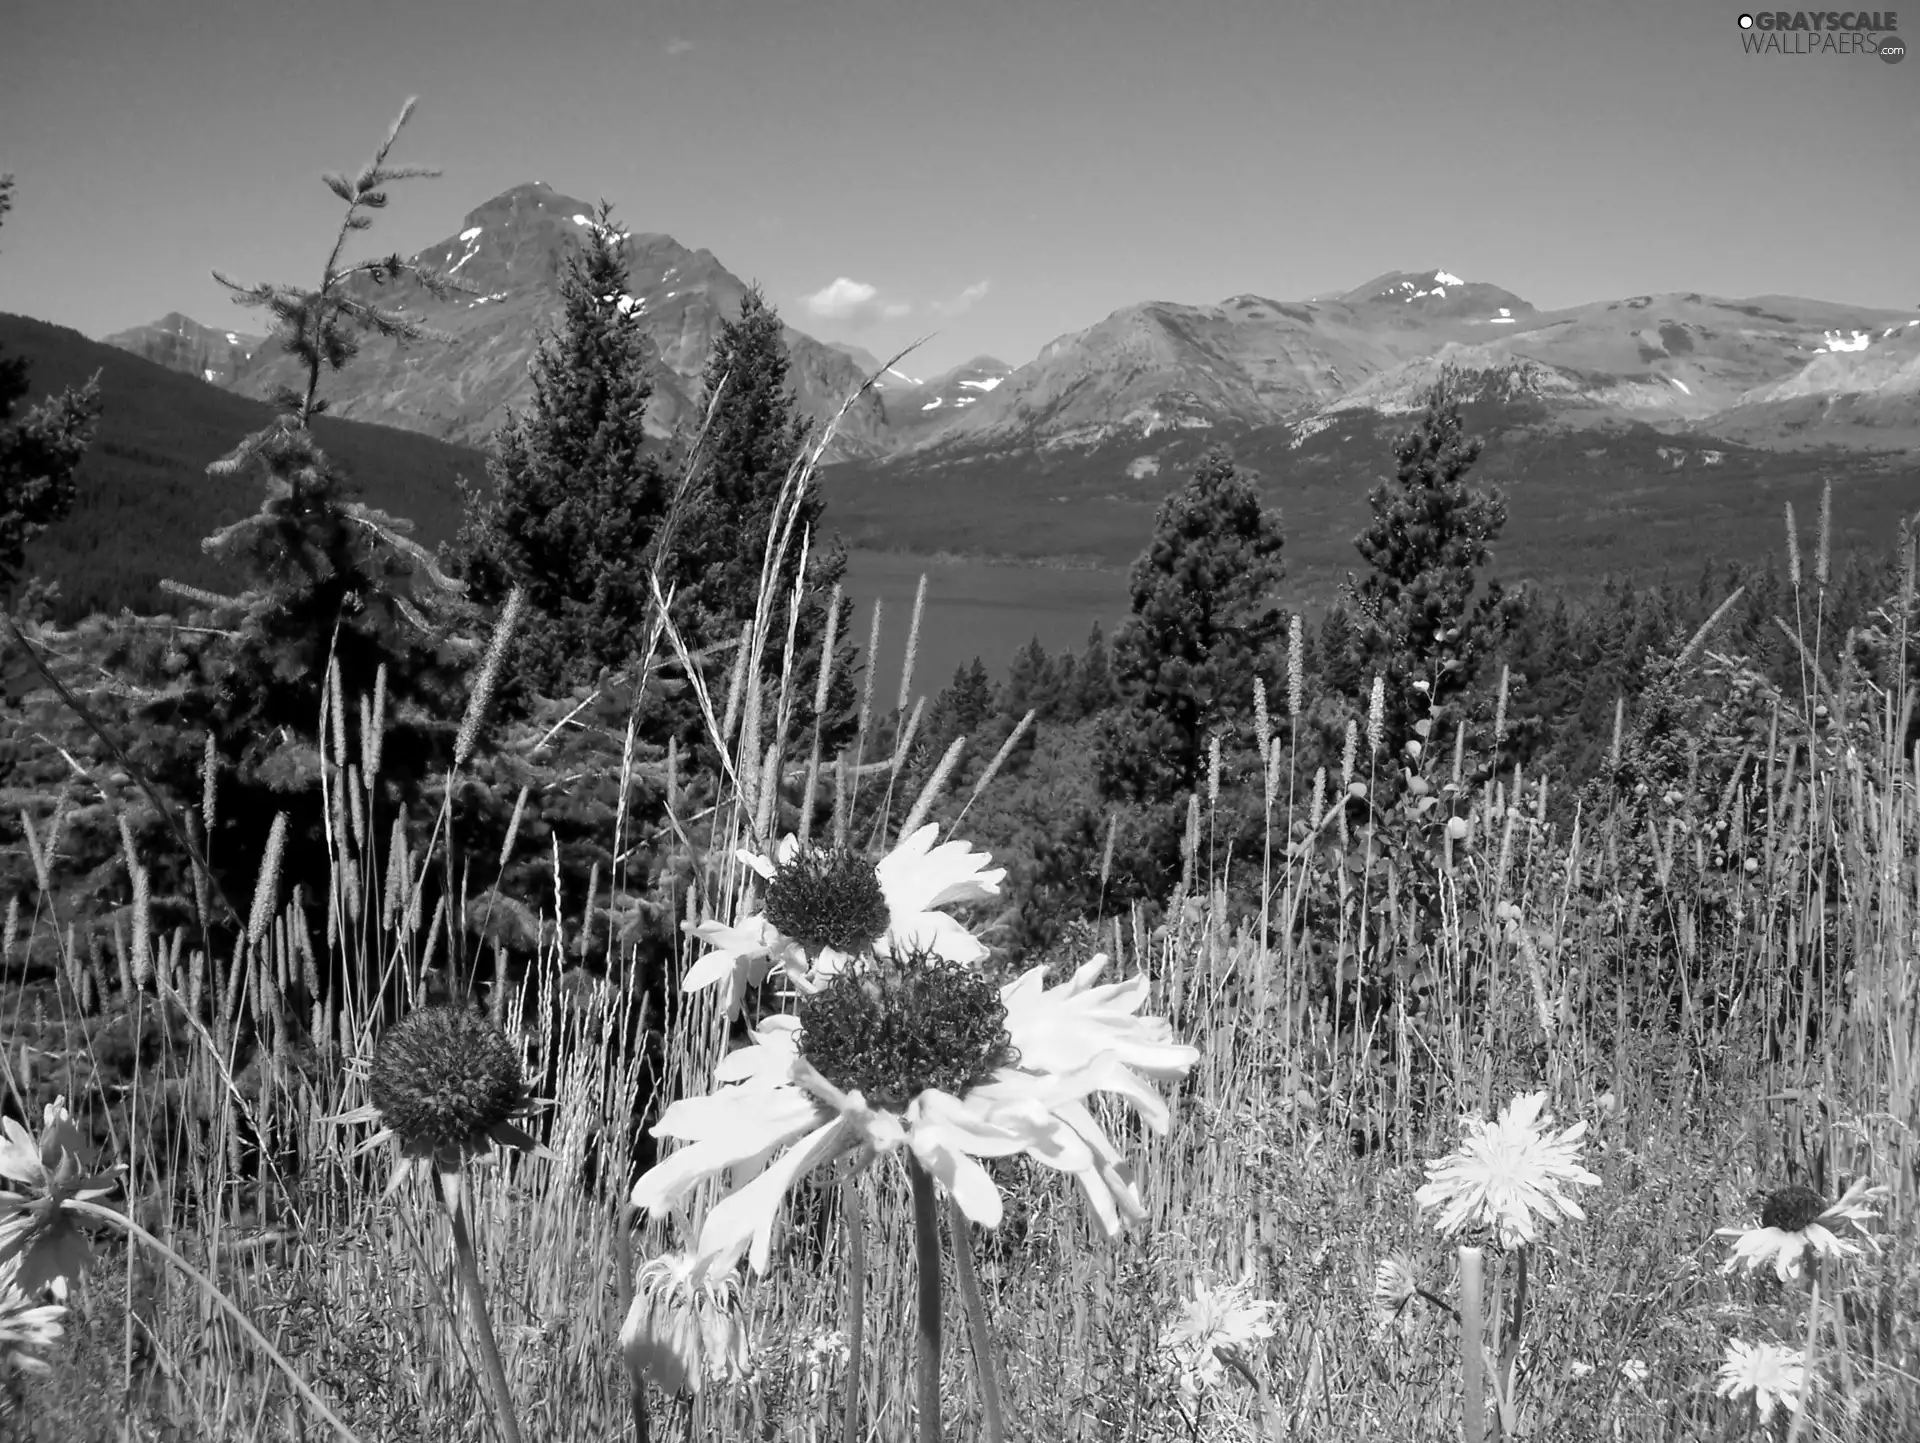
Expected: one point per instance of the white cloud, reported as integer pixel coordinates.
(854, 302)
(965, 301)
(677, 46)
(894, 310)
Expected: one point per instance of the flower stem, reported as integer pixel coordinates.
(133, 1229)
(1472, 1370)
(926, 1237)
(1510, 1343)
(853, 1219)
(977, 1331)
(468, 1266)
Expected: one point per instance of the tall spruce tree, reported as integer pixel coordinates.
(38, 453)
(580, 492)
(1427, 549)
(1206, 620)
(750, 455)
(327, 577)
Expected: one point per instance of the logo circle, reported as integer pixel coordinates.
(1892, 49)
(1746, 22)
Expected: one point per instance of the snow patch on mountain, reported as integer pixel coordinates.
(985, 384)
(1443, 278)
(467, 235)
(1840, 341)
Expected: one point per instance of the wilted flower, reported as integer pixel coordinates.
(683, 1331)
(23, 1323)
(1773, 1376)
(1228, 1318)
(445, 1084)
(918, 1052)
(1506, 1172)
(825, 905)
(42, 1234)
(1796, 1222)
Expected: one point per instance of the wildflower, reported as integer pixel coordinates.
(1394, 1285)
(1228, 1318)
(683, 1330)
(445, 1084)
(1773, 1375)
(919, 1052)
(40, 1236)
(1506, 1172)
(23, 1324)
(824, 905)
(818, 1356)
(1796, 1223)
(1635, 1371)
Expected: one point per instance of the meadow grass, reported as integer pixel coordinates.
(1716, 1048)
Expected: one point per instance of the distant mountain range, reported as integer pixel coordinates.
(1684, 417)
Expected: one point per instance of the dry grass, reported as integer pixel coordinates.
(1293, 1157)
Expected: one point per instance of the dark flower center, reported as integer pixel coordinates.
(899, 1027)
(444, 1076)
(828, 897)
(1791, 1209)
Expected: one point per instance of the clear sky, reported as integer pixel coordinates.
(999, 171)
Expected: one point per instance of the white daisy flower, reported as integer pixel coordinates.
(1507, 1172)
(825, 906)
(919, 1052)
(40, 1235)
(1227, 1318)
(1797, 1223)
(23, 1323)
(1773, 1376)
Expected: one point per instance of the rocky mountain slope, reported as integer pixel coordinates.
(182, 344)
(513, 249)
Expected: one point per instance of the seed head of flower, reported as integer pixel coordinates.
(1797, 1223)
(827, 898)
(1771, 1375)
(686, 1328)
(40, 1236)
(445, 1083)
(892, 1030)
(1508, 1174)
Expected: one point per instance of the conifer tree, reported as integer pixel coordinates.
(579, 490)
(38, 453)
(327, 575)
(1206, 620)
(1093, 680)
(1430, 541)
(751, 455)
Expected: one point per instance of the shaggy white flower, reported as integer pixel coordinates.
(1507, 1172)
(1394, 1285)
(1771, 1375)
(824, 906)
(925, 1054)
(1228, 1318)
(1797, 1223)
(684, 1330)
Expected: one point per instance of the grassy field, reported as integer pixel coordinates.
(1721, 1032)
